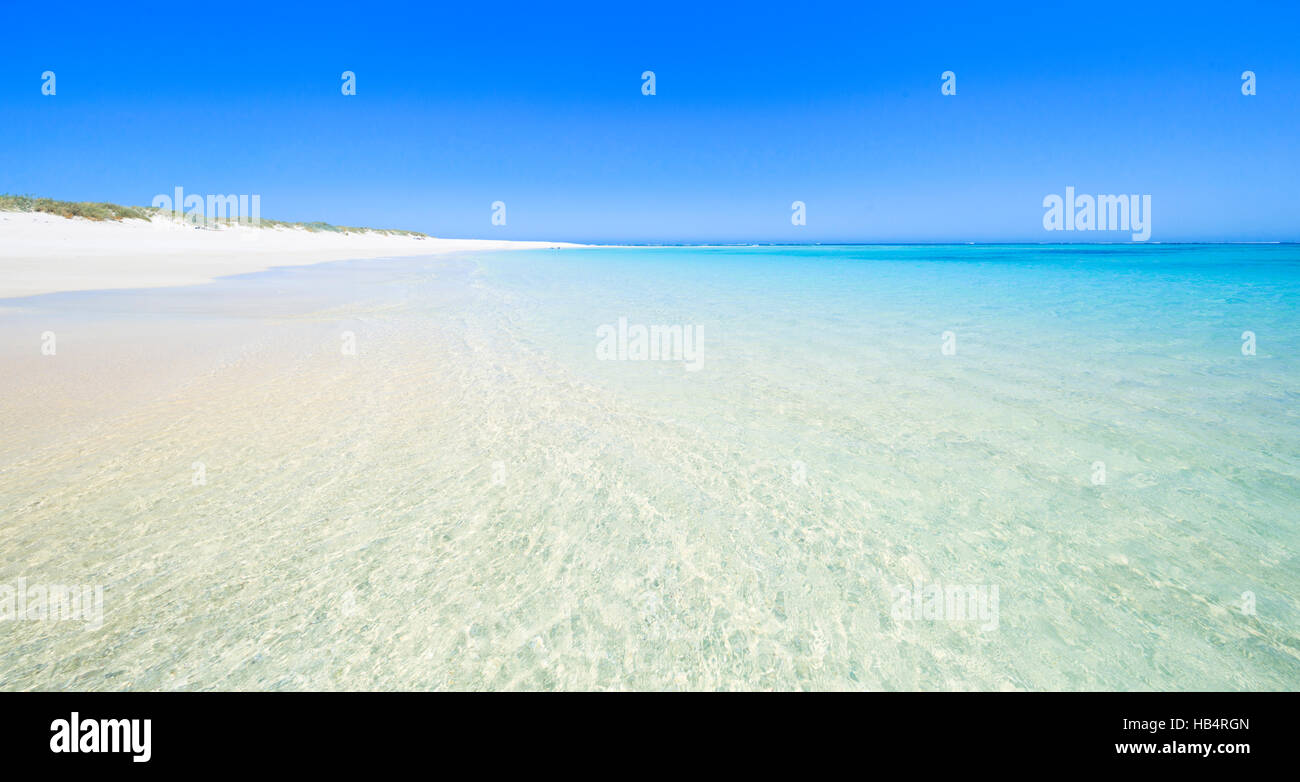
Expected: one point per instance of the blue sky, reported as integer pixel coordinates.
(836, 105)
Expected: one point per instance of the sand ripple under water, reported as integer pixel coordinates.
(474, 501)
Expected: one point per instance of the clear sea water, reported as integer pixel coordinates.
(475, 500)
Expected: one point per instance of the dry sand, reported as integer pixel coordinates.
(44, 253)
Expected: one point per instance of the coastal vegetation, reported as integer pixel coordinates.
(99, 211)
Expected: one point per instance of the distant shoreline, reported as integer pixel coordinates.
(933, 244)
(106, 247)
(43, 252)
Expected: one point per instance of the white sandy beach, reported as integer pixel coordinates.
(45, 253)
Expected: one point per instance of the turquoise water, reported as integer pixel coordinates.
(483, 497)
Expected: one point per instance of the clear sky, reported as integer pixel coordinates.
(836, 105)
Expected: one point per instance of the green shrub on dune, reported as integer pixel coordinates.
(87, 209)
(92, 210)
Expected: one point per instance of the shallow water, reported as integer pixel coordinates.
(475, 500)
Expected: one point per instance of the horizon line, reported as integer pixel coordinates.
(599, 244)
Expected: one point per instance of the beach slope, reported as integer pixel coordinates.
(47, 253)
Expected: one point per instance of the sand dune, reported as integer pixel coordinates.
(44, 253)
